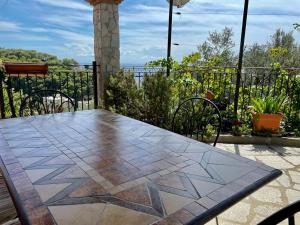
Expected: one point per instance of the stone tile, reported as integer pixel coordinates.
(60, 160)
(171, 181)
(73, 172)
(153, 176)
(49, 190)
(257, 219)
(237, 213)
(35, 175)
(292, 195)
(293, 159)
(121, 216)
(297, 187)
(204, 188)
(266, 210)
(138, 194)
(275, 161)
(106, 184)
(99, 179)
(195, 169)
(20, 151)
(92, 173)
(230, 173)
(268, 194)
(194, 156)
(163, 172)
(195, 208)
(29, 161)
(295, 176)
(284, 180)
(173, 168)
(91, 188)
(207, 202)
(141, 180)
(116, 189)
(183, 216)
(87, 214)
(173, 203)
(274, 183)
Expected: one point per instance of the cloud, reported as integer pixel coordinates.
(26, 37)
(9, 26)
(77, 44)
(69, 20)
(144, 25)
(38, 29)
(66, 26)
(72, 36)
(70, 4)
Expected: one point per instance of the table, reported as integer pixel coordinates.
(97, 167)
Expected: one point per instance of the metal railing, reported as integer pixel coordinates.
(80, 83)
(255, 82)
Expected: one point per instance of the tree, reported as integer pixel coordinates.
(282, 48)
(219, 45)
(256, 56)
(21, 55)
(288, 49)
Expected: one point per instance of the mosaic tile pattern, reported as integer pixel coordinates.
(96, 167)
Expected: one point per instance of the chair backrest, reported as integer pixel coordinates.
(198, 118)
(283, 214)
(46, 102)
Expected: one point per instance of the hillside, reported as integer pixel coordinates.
(21, 55)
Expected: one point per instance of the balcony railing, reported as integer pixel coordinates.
(79, 83)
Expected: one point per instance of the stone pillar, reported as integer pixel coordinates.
(106, 40)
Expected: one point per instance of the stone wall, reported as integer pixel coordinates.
(107, 42)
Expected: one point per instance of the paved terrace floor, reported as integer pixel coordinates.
(279, 193)
(272, 197)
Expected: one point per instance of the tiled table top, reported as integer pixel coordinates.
(99, 168)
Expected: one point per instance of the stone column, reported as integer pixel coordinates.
(106, 40)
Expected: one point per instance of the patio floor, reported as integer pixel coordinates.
(272, 197)
(279, 193)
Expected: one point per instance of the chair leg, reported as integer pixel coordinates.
(292, 220)
(217, 221)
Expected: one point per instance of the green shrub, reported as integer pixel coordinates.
(123, 95)
(159, 98)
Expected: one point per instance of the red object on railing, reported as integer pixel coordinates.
(26, 69)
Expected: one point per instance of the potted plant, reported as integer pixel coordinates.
(267, 114)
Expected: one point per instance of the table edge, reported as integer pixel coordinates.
(21, 212)
(224, 205)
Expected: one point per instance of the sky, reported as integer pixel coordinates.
(65, 27)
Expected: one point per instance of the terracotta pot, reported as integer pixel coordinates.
(210, 95)
(267, 122)
(26, 68)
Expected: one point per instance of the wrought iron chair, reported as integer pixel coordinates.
(283, 214)
(46, 102)
(198, 118)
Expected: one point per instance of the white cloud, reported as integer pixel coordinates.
(38, 29)
(70, 4)
(76, 44)
(69, 20)
(72, 36)
(9, 26)
(144, 27)
(25, 37)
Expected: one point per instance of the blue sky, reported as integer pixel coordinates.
(64, 27)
